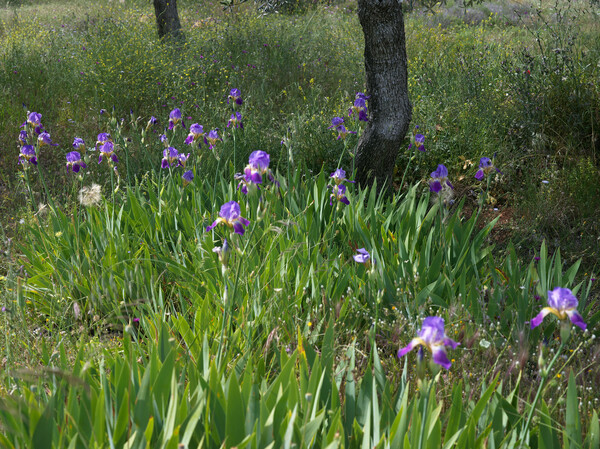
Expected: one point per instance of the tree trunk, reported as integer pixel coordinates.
(382, 22)
(167, 19)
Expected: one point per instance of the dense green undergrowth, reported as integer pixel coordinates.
(128, 324)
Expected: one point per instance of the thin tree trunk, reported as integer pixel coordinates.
(167, 19)
(382, 22)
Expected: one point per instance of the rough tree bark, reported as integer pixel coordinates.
(167, 19)
(382, 22)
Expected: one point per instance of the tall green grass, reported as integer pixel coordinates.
(123, 329)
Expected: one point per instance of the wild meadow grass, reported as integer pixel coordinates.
(235, 298)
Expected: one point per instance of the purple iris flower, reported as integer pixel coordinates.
(211, 138)
(196, 133)
(108, 149)
(188, 177)
(153, 121)
(236, 121)
(163, 138)
(34, 119)
(362, 96)
(339, 193)
(74, 161)
(419, 140)
(27, 155)
(339, 176)
(363, 256)
(174, 118)
(236, 96)
(360, 107)
(79, 144)
(230, 216)
(343, 132)
(563, 304)
(433, 337)
(440, 178)
(170, 157)
(44, 139)
(258, 165)
(335, 122)
(485, 167)
(338, 124)
(183, 159)
(23, 137)
(103, 138)
(259, 160)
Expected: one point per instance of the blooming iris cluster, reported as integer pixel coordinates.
(107, 149)
(360, 106)
(173, 158)
(485, 168)
(235, 121)
(34, 119)
(187, 177)
(338, 192)
(230, 216)
(175, 118)
(211, 138)
(33, 127)
(338, 124)
(102, 139)
(418, 140)
(339, 176)
(196, 133)
(235, 96)
(439, 179)
(27, 156)
(79, 144)
(563, 304)
(362, 256)
(339, 189)
(433, 337)
(74, 161)
(22, 137)
(258, 166)
(44, 139)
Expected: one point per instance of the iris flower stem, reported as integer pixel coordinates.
(484, 195)
(49, 198)
(233, 134)
(112, 192)
(405, 172)
(423, 416)
(214, 189)
(353, 156)
(442, 233)
(545, 374)
(127, 161)
(227, 314)
(159, 193)
(28, 182)
(342, 155)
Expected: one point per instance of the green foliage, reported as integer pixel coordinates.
(140, 397)
(140, 337)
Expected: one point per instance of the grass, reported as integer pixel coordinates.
(122, 303)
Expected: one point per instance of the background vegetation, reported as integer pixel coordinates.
(122, 330)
